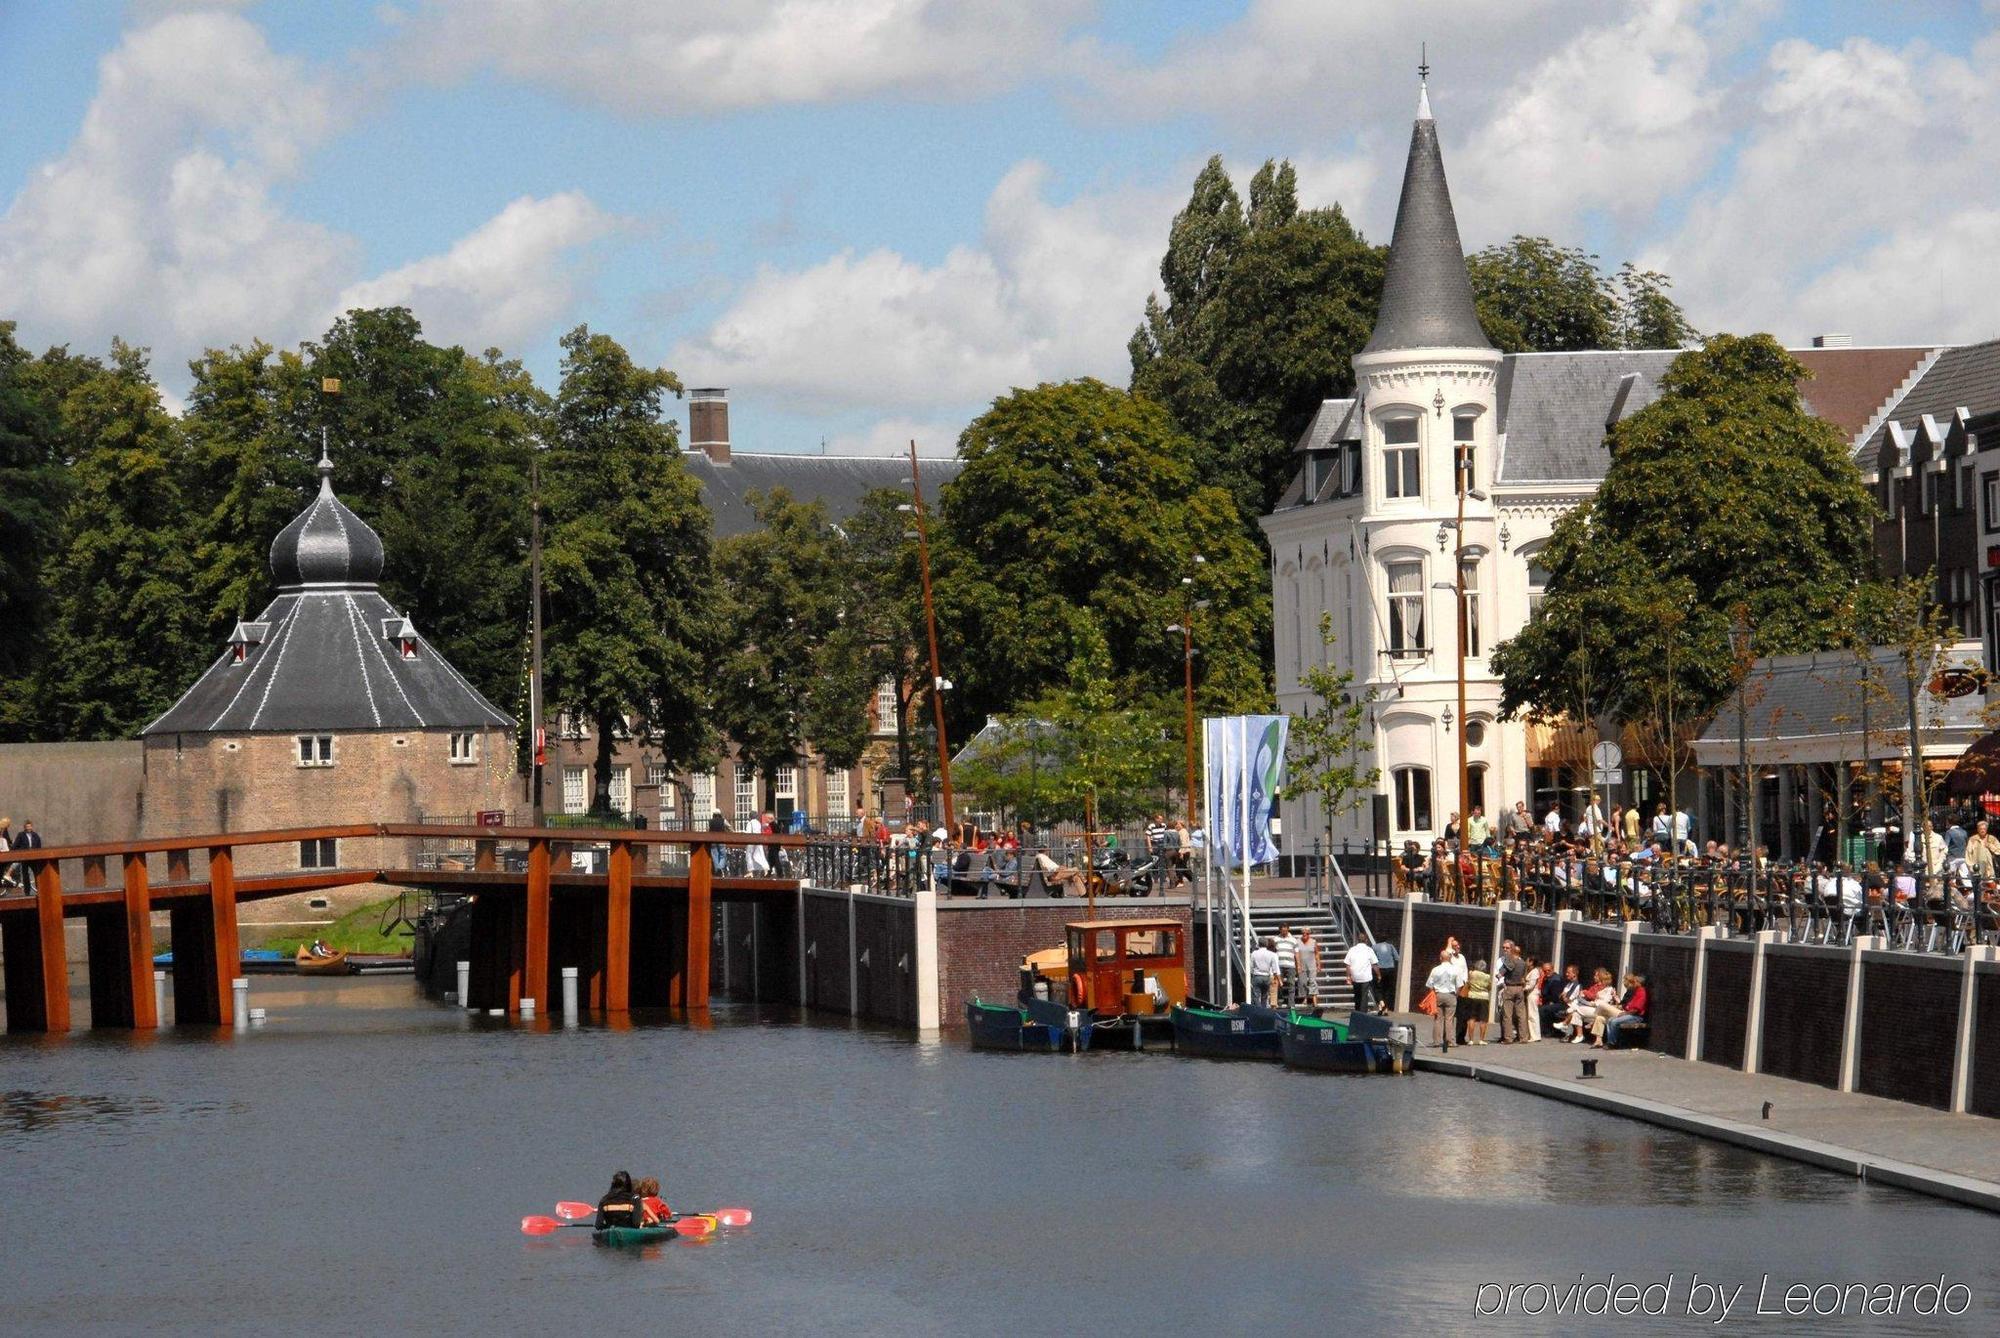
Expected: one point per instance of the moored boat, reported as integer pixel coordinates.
(254, 962)
(1244, 1031)
(1009, 1027)
(334, 964)
(1363, 1044)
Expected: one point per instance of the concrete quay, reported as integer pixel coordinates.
(1895, 1143)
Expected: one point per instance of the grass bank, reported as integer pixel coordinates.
(359, 931)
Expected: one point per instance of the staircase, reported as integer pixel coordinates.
(1265, 922)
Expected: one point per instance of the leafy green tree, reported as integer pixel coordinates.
(1323, 757)
(1723, 491)
(125, 636)
(1261, 317)
(882, 631)
(33, 486)
(630, 618)
(1536, 296)
(1107, 758)
(1075, 517)
(789, 681)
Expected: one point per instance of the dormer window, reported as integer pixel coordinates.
(403, 634)
(243, 638)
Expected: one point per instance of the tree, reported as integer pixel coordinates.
(1535, 296)
(882, 632)
(1723, 491)
(789, 680)
(1261, 317)
(630, 625)
(1324, 755)
(33, 488)
(1107, 759)
(125, 636)
(1075, 516)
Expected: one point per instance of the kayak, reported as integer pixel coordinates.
(651, 1235)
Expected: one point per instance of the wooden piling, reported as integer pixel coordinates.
(700, 927)
(618, 930)
(535, 934)
(139, 942)
(55, 951)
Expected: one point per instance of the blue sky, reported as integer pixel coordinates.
(870, 217)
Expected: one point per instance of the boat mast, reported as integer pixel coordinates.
(538, 739)
(938, 682)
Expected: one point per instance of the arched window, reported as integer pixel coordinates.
(1402, 473)
(1411, 790)
(1538, 580)
(1404, 579)
(1465, 443)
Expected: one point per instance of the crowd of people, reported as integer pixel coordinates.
(1533, 1001)
(16, 878)
(1933, 891)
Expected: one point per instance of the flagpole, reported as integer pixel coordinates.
(1228, 994)
(1243, 832)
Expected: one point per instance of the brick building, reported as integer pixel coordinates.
(329, 708)
(640, 783)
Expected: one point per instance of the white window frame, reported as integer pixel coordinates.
(463, 748)
(1531, 562)
(1474, 647)
(621, 788)
(1403, 795)
(887, 695)
(836, 792)
(701, 791)
(576, 789)
(315, 750)
(1466, 420)
(744, 793)
(1403, 461)
(1417, 599)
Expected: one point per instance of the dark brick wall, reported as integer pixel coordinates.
(1984, 1097)
(1535, 933)
(1909, 1030)
(1805, 1007)
(1591, 946)
(981, 944)
(1726, 1004)
(1668, 966)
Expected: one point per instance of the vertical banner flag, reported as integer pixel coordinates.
(1246, 767)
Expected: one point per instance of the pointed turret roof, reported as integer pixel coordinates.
(1426, 294)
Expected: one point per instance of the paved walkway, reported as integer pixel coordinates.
(1893, 1142)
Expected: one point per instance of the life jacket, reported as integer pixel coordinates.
(618, 1212)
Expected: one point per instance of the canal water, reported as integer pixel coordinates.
(361, 1163)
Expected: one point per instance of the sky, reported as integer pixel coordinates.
(870, 218)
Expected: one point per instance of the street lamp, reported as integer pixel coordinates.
(1461, 467)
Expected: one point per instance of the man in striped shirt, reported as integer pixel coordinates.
(1288, 965)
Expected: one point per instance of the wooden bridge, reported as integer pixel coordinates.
(636, 933)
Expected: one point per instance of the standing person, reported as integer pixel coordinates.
(1443, 984)
(1307, 965)
(1537, 973)
(1264, 974)
(30, 839)
(1463, 974)
(1361, 975)
(1513, 977)
(7, 878)
(754, 863)
(1631, 829)
(1156, 834)
(1980, 849)
(1288, 965)
(1552, 822)
(1479, 998)
(1477, 828)
(1386, 962)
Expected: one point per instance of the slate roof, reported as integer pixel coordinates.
(841, 481)
(1554, 407)
(1967, 376)
(326, 654)
(1426, 292)
(1802, 699)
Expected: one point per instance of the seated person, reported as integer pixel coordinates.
(1000, 868)
(1631, 1014)
(1059, 876)
(652, 1209)
(620, 1205)
(1556, 992)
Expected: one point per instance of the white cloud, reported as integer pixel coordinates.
(1053, 291)
(161, 223)
(642, 56)
(503, 283)
(1861, 200)
(892, 436)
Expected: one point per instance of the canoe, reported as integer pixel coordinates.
(1363, 1044)
(309, 965)
(1004, 1027)
(1249, 1031)
(652, 1235)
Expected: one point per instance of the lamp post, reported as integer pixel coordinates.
(1740, 647)
(1461, 485)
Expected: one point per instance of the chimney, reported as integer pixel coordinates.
(1833, 341)
(708, 423)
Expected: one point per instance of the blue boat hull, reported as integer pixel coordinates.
(1248, 1032)
(1368, 1044)
(995, 1027)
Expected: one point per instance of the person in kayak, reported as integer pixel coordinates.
(647, 1192)
(620, 1206)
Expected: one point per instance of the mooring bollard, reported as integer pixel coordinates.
(240, 989)
(159, 997)
(569, 974)
(527, 1008)
(465, 984)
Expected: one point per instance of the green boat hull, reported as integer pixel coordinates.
(631, 1235)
